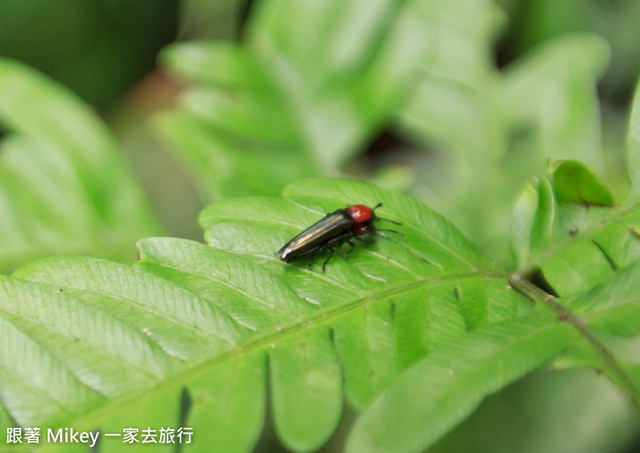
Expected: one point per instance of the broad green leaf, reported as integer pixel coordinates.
(594, 252)
(493, 129)
(533, 221)
(584, 240)
(306, 386)
(577, 268)
(238, 411)
(554, 90)
(608, 354)
(613, 306)
(591, 244)
(439, 391)
(282, 97)
(64, 188)
(223, 167)
(592, 264)
(633, 148)
(524, 212)
(366, 342)
(573, 182)
(453, 104)
(218, 64)
(185, 335)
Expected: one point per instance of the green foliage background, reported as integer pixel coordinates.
(501, 134)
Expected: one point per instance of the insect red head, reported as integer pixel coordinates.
(360, 213)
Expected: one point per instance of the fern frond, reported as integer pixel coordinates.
(64, 187)
(130, 345)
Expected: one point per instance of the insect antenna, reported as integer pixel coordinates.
(382, 218)
(389, 220)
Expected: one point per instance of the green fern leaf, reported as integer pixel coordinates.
(445, 387)
(633, 148)
(64, 187)
(498, 128)
(413, 330)
(307, 88)
(186, 334)
(590, 245)
(595, 270)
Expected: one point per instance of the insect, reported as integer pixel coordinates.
(337, 228)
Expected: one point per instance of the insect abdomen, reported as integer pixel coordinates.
(316, 235)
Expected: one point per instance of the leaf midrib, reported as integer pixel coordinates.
(266, 341)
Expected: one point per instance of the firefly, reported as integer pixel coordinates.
(356, 222)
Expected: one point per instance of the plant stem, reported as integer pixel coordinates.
(535, 294)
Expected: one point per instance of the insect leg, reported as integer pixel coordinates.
(313, 255)
(353, 247)
(365, 240)
(332, 252)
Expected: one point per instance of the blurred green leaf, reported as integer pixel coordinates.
(553, 90)
(285, 95)
(64, 187)
(573, 182)
(613, 306)
(496, 129)
(454, 102)
(633, 148)
(612, 309)
(536, 21)
(533, 221)
(548, 412)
